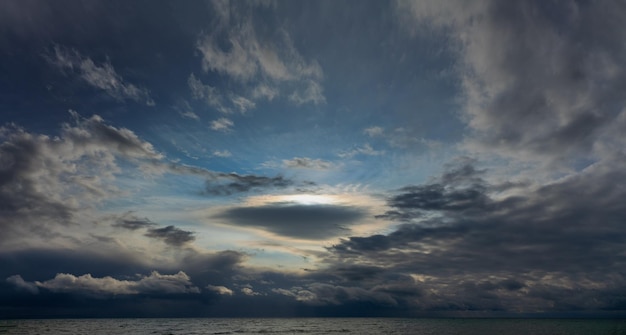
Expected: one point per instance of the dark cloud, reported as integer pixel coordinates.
(503, 252)
(460, 188)
(294, 220)
(133, 223)
(42, 264)
(83, 282)
(224, 184)
(171, 235)
(235, 183)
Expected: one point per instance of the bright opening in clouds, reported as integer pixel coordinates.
(332, 158)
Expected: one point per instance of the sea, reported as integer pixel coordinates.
(361, 326)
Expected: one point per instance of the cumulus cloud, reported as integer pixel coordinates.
(155, 283)
(249, 291)
(536, 82)
(221, 290)
(103, 77)
(171, 235)
(19, 282)
(294, 220)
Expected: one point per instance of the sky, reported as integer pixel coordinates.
(312, 158)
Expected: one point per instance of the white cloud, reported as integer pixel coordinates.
(265, 91)
(154, 283)
(249, 291)
(373, 131)
(221, 290)
(223, 153)
(103, 77)
(222, 124)
(242, 103)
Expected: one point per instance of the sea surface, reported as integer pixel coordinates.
(361, 326)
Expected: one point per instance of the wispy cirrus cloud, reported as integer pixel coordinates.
(101, 76)
(365, 149)
(268, 66)
(222, 124)
(307, 163)
(226, 103)
(400, 138)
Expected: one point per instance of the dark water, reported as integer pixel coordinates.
(361, 326)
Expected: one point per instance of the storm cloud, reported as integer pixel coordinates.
(549, 238)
